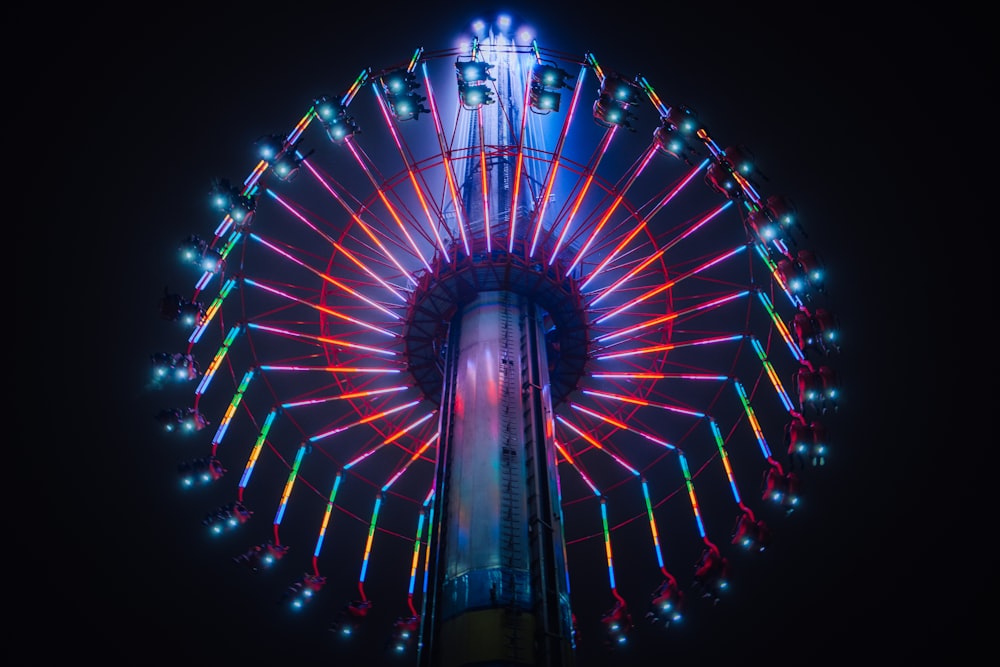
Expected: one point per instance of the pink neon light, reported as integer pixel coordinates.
(650, 152)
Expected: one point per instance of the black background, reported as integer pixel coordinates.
(866, 120)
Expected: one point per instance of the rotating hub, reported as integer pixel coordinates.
(442, 292)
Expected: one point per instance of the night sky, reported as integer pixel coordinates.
(856, 117)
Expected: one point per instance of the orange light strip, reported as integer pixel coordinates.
(322, 309)
(691, 495)
(371, 538)
(566, 455)
(607, 543)
(600, 151)
(518, 164)
(557, 158)
(657, 376)
(289, 483)
(385, 200)
(336, 245)
(779, 324)
(650, 152)
(326, 340)
(582, 474)
(330, 369)
(416, 550)
(206, 379)
(341, 397)
(326, 277)
(714, 303)
(364, 267)
(660, 288)
(231, 408)
(361, 223)
(667, 347)
(641, 401)
(456, 198)
(604, 418)
(432, 221)
(327, 514)
(211, 311)
(413, 457)
(483, 179)
(399, 433)
(652, 524)
(772, 375)
(597, 444)
(752, 416)
(642, 225)
(659, 253)
(622, 425)
(364, 420)
(255, 452)
(721, 446)
(648, 436)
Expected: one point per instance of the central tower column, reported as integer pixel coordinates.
(498, 591)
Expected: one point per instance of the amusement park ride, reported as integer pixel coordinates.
(496, 304)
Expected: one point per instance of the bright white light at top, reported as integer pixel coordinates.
(504, 24)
